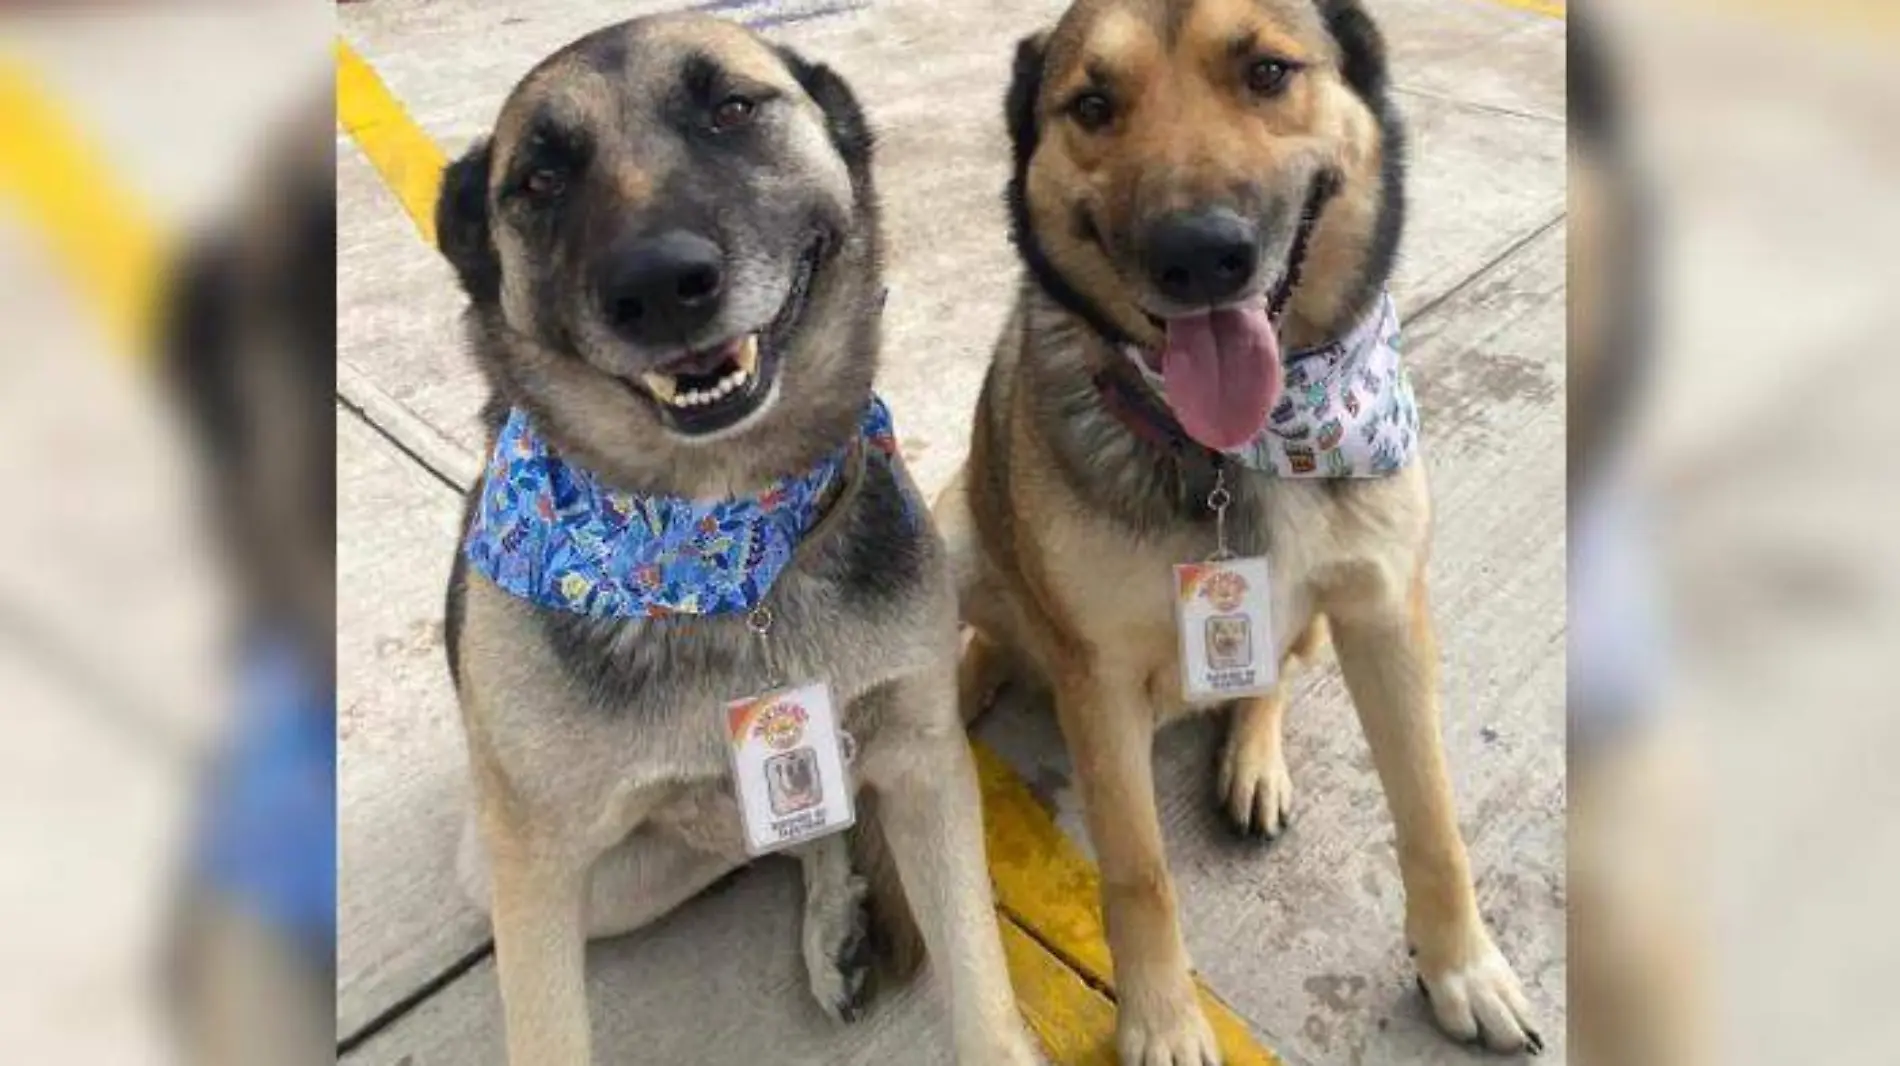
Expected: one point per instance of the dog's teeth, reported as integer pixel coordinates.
(661, 386)
(749, 354)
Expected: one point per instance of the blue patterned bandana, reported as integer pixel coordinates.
(551, 533)
(1347, 410)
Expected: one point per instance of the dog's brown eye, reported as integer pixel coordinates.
(1092, 111)
(1268, 76)
(732, 113)
(546, 183)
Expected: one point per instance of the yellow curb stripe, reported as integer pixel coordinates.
(1548, 8)
(1047, 892)
(1075, 1022)
(101, 234)
(410, 163)
(1044, 884)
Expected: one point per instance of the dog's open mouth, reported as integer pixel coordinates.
(1222, 372)
(706, 391)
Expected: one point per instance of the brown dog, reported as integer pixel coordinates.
(1199, 182)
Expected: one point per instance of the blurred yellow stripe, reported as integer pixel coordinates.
(1548, 8)
(1046, 892)
(410, 163)
(98, 230)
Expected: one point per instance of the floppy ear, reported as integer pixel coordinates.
(1361, 47)
(461, 225)
(1019, 105)
(844, 119)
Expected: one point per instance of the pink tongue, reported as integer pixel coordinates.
(1222, 370)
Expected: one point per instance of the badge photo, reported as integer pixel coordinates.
(1224, 608)
(789, 767)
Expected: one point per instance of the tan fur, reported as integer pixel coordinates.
(601, 805)
(1032, 572)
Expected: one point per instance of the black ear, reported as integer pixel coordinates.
(1019, 105)
(1361, 47)
(461, 225)
(844, 119)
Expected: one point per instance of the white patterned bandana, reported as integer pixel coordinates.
(1346, 410)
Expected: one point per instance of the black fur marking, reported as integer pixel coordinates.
(1019, 111)
(198, 344)
(844, 118)
(701, 74)
(462, 225)
(1361, 46)
(1363, 61)
(882, 554)
(605, 51)
(1600, 413)
(613, 666)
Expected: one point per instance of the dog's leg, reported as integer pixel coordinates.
(635, 883)
(1389, 657)
(1255, 789)
(930, 810)
(539, 893)
(644, 877)
(981, 675)
(1110, 734)
(836, 939)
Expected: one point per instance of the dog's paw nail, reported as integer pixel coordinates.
(1534, 1041)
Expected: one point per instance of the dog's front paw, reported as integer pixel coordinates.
(1173, 1035)
(838, 952)
(1477, 999)
(1255, 789)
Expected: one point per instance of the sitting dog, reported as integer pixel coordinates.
(1199, 393)
(699, 604)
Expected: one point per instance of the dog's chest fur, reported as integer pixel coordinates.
(865, 604)
(1106, 501)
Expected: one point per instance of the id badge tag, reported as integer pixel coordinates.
(788, 764)
(1224, 611)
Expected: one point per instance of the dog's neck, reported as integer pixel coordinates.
(1347, 409)
(550, 532)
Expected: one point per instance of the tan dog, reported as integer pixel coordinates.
(671, 250)
(1180, 163)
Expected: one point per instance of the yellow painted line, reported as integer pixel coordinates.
(1044, 884)
(100, 233)
(410, 163)
(1074, 1021)
(1047, 893)
(1547, 8)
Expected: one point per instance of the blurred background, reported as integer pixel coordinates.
(1735, 531)
(167, 251)
(166, 328)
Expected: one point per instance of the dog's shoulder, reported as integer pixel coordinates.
(884, 548)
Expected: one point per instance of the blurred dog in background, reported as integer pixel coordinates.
(249, 357)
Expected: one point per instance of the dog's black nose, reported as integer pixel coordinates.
(1202, 257)
(662, 289)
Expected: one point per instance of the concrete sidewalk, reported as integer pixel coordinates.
(1304, 941)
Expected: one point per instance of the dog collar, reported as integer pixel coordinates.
(551, 533)
(1347, 410)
